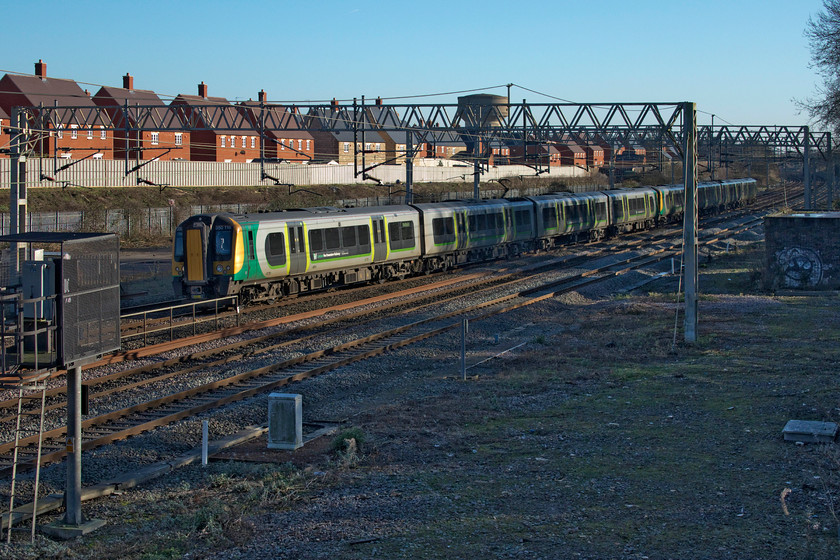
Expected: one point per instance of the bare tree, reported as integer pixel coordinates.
(823, 33)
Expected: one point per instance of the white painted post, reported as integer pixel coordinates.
(205, 433)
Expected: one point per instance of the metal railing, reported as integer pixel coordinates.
(170, 313)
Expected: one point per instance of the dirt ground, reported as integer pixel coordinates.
(599, 438)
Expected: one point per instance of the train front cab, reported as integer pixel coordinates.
(207, 252)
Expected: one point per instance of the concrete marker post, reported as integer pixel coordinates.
(205, 432)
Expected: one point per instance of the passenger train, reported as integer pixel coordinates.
(264, 256)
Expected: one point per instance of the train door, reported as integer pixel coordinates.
(461, 229)
(196, 248)
(380, 243)
(509, 232)
(297, 249)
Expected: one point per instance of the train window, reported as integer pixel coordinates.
(522, 218)
(363, 233)
(179, 244)
(331, 239)
(316, 240)
(601, 211)
(549, 217)
(348, 236)
(401, 235)
(482, 222)
(221, 243)
(500, 222)
(618, 209)
(443, 230)
(637, 206)
(251, 248)
(472, 223)
(407, 233)
(275, 249)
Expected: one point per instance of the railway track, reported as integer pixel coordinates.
(144, 416)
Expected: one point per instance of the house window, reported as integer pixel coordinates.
(223, 141)
(346, 147)
(74, 133)
(307, 145)
(90, 134)
(300, 144)
(244, 139)
(103, 134)
(282, 143)
(155, 136)
(179, 138)
(61, 131)
(377, 146)
(367, 146)
(253, 141)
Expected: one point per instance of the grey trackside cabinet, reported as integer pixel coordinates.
(285, 421)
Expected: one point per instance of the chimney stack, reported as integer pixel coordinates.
(41, 69)
(202, 90)
(262, 96)
(334, 103)
(128, 81)
(378, 101)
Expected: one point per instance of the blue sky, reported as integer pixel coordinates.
(743, 60)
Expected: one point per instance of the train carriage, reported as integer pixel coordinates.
(632, 209)
(564, 217)
(456, 232)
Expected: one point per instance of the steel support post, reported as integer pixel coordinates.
(73, 489)
(477, 169)
(711, 162)
(17, 192)
(806, 168)
(690, 220)
(409, 168)
(355, 143)
(829, 157)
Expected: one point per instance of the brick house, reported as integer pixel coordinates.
(445, 145)
(5, 137)
(284, 133)
(219, 131)
(332, 128)
(594, 155)
(396, 141)
(571, 154)
(537, 154)
(69, 139)
(163, 144)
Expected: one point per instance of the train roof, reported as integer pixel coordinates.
(486, 202)
(321, 211)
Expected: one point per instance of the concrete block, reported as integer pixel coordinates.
(285, 421)
(64, 531)
(809, 431)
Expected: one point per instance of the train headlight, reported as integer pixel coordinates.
(219, 268)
